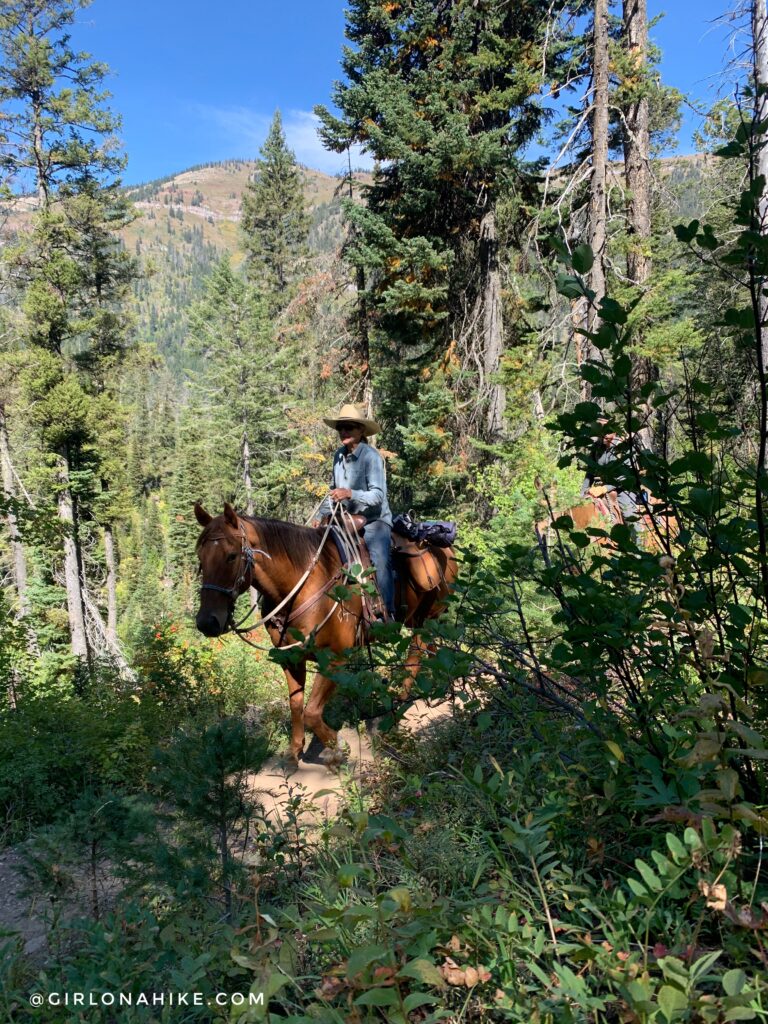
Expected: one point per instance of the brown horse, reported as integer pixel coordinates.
(657, 530)
(284, 561)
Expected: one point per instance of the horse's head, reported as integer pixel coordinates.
(226, 567)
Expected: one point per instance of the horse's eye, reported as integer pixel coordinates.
(232, 557)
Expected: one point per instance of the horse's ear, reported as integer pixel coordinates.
(201, 515)
(230, 515)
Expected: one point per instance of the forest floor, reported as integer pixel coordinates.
(321, 789)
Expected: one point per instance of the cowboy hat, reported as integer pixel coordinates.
(353, 414)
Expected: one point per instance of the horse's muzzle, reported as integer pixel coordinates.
(208, 624)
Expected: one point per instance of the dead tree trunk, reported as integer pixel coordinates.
(111, 560)
(19, 559)
(584, 316)
(637, 144)
(637, 177)
(598, 179)
(99, 639)
(247, 475)
(72, 580)
(493, 325)
(760, 72)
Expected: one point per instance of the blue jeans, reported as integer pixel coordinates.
(378, 539)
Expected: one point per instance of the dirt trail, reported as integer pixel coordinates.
(320, 787)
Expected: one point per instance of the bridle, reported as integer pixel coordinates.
(244, 569)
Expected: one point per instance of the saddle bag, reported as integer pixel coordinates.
(433, 531)
(415, 562)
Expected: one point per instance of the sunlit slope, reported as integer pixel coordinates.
(189, 220)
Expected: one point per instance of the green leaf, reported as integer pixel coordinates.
(484, 721)
(363, 958)
(423, 971)
(734, 981)
(740, 1013)
(740, 317)
(672, 1001)
(648, 875)
(615, 749)
(582, 259)
(612, 312)
(675, 847)
(686, 233)
(417, 999)
(732, 149)
(569, 286)
(347, 873)
(638, 889)
(378, 997)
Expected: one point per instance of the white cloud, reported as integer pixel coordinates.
(244, 130)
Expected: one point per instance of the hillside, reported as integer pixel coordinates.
(186, 222)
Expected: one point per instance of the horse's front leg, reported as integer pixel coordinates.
(322, 690)
(296, 676)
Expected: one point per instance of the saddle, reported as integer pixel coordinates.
(419, 562)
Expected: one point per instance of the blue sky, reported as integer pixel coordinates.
(198, 81)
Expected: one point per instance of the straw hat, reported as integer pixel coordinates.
(353, 414)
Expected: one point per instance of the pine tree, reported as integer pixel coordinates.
(441, 95)
(274, 222)
(67, 264)
(247, 384)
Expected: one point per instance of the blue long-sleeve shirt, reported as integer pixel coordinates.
(365, 474)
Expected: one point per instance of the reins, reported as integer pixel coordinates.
(237, 626)
(351, 538)
(245, 569)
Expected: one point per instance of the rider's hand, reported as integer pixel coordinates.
(340, 494)
(315, 523)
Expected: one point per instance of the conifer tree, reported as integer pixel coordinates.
(246, 381)
(60, 145)
(441, 95)
(274, 222)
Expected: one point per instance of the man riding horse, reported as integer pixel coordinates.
(297, 570)
(623, 503)
(359, 483)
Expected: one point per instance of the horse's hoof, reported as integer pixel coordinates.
(292, 759)
(332, 757)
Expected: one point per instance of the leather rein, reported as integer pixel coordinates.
(245, 571)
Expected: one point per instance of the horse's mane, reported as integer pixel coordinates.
(298, 544)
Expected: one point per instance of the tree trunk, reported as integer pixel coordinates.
(760, 71)
(636, 173)
(17, 547)
(637, 145)
(584, 315)
(72, 580)
(598, 180)
(361, 318)
(109, 557)
(253, 593)
(493, 325)
(100, 639)
(247, 477)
